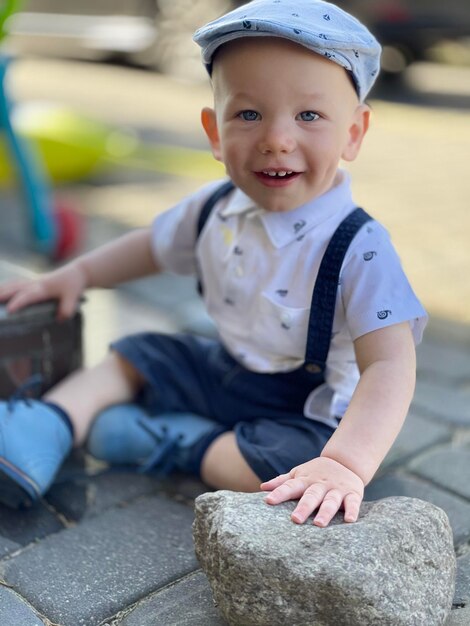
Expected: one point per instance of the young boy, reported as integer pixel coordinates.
(315, 366)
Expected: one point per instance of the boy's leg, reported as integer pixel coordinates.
(224, 466)
(36, 436)
(86, 392)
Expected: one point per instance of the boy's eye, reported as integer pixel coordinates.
(249, 116)
(308, 116)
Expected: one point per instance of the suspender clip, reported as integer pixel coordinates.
(314, 368)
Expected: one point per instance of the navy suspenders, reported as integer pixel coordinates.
(322, 309)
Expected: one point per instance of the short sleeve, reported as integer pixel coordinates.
(174, 233)
(374, 288)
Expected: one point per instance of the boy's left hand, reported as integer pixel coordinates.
(320, 483)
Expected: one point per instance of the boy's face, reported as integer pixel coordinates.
(284, 117)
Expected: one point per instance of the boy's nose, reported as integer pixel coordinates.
(276, 140)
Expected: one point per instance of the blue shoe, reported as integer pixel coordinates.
(125, 434)
(34, 441)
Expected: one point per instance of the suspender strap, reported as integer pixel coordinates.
(207, 207)
(211, 201)
(323, 304)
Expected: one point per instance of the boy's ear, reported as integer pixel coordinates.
(209, 123)
(357, 131)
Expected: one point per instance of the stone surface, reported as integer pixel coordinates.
(457, 510)
(186, 603)
(15, 612)
(459, 617)
(84, 497)
(417, 435)
(448, 467)
(444, 403)
(27, 525)
(462, 584)
(7, 546)
(394, 567)
(431, 355)
(86, 487)
(83, 575)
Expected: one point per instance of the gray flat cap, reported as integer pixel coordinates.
(320, 26)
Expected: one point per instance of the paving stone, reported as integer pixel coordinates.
(448, 467)
(402, 485)
(90, 572)
(15, 612)
(446, 331)
(186, 603)
(27, 525)
(416, 435)
(459, 617)
(448, 404)
(439, 358)
(462, 584)
(84, 497)
(85, 487)
(181, 485)
(7, 547)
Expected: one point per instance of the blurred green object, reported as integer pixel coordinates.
(73, 147)
(7, 8)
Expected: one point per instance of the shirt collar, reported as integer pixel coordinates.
(283, 228)
(238, 203)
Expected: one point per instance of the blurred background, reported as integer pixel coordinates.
(100, 117)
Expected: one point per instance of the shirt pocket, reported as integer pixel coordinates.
(281, 330)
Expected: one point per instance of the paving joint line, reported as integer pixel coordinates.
(116, 619)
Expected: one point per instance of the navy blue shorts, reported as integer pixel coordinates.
(185, 373)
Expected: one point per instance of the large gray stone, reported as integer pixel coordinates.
(394, 567)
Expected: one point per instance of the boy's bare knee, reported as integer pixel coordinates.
(131, 375)
(224, 466)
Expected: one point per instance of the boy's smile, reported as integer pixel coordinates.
(277, 178)
(284, 117)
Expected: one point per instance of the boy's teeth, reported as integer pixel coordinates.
(280, 173)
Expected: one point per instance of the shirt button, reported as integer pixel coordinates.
(285, 318)
(239, 271)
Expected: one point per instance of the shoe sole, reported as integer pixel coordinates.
(16, 489)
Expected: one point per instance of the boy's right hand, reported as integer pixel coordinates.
(65, 284)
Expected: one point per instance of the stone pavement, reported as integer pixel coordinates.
(115, 548)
